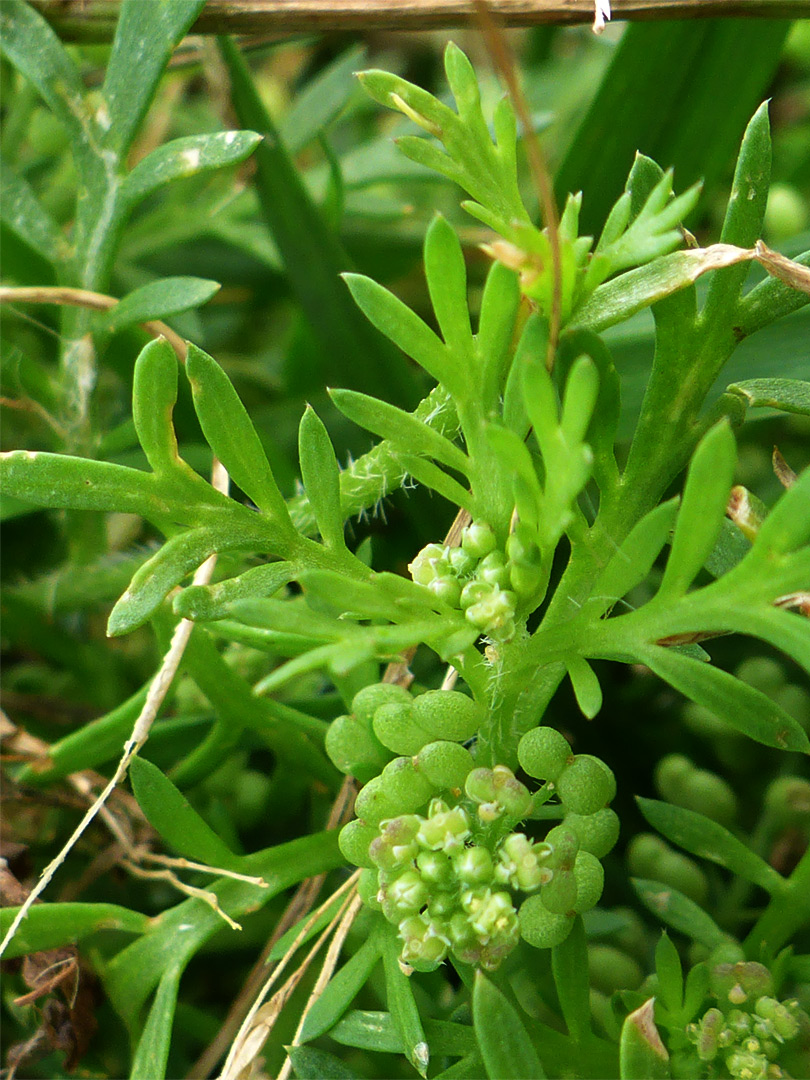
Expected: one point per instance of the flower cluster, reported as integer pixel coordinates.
(748, 1029)
(482, 581)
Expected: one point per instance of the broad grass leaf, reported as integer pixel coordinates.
(49, 926)
(378, 1031)
(504, 1044)
(708, 483)
(321, 477)
(185, 157)
(679, 912)
(179, 824)
(703, 837)
(152, 1052)
(569, 963)
(157, 300)
(342, 989)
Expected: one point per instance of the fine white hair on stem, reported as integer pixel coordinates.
(140, 731)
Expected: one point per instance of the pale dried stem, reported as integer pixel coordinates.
(205, 895)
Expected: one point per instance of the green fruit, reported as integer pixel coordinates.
(448, 714)
(590, 878)
(787, 801)
(366, 701)
(612, 970)
(406, 788)
(354, 842)
(510, 794)
(373, 803)
(586, 785)
(648, 856)
(354, 748)
(543, 753)
(703, 792)
(480, 786)
(560, 894)
(541, 927)
(597, 832)
(478, 539)
(670, 774)
(368, 886)
(562, 844)
(395, 727)
(445, 764)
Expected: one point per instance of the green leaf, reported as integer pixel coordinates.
(670, 974)
(204, 602)
(157, 300)
(23, 213)
(679, 912)
(378, 1031)
(787, 526)
(230, 433)
(705, 838)
(744, 708)
(321, 100)
(569, 963)
(433, 477)
(402, 1005)
(49, 926)
(171, 814)
(402, 428)
(35, 50)
(505, 1046)
(788, 395)
(496, 328)
(402, 326)
(152, 1052)
(154, 393)
(631, 564)
(586, 686)
(642, 1055)
(144, 40)
(185, 157)
(311, 1064)
(708, 483)
(342, 989)
(321, 477)
(446, 275)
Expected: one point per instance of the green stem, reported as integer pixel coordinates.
(784, 915)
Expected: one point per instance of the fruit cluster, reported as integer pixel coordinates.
(435, 835)
(749, 1028)
(480, 580)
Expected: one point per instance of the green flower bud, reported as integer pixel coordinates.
(473, 592)
(597, 832)
(473, 866)
(544, 753)
(541, 927)
(373, 803)
(518, 863)
(740, 982)
(354, 842)
(493, 570)
(445, 764)
(395, 727)
(430, 563)
(510, 794)
(368, 887)
(435, 868)
(407, 789)
(445, 830)
(447, 589)
(366, 701)
(493, 612)
(480, 786)
(590, 878)
(682, 784)
(463, 940)
(710, 1027)
(787, 801)
(448, 714)
(354, 748)
(560, 894)
(396, 845)
(442, 905)
(404, 895)
(424, 945)
(562, 845)
(613, 970)
(461, 562)
(586, 785)
(478, 539)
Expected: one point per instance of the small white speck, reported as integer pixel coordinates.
(229, 137)
(191, 159)
(185, 926)
(103, 117)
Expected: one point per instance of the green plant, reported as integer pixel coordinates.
(566, 552)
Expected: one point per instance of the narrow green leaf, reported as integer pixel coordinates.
(787, 526)
(355, 597)
(154, 393)
(321, 477)
(569, 963)
(402, 428)
(787, 395)
(785, 630)
(171, 814)
(311, 1064)
(35, 50)
(185, 157)
(466, 1067)
(321, 100)
(205, 602)
(23, 213)
(402, 1005)
(342, 989)
(496, 328)
(730, 548)
(746, 709)
(447, 283)
(230, 433)
(433, 477)
(402, 326)
(157, 300)
(670, 974)
(642, 1054)
(586, 686)
(152, 1052)
(770, 300)
(708, 483)
(679, 912)
(144, 40)
(505, 1046)
(631, 564)
(49, 926)
(703, 837)
(378, 1031)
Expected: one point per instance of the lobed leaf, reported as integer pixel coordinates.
(787, 395)
(207, 602)
(631, 564)
(446, 276)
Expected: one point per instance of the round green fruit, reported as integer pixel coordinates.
(445, 764)
(448, 714)
(541, 927)
(597, 832)
(586, 786)
(543, 753)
